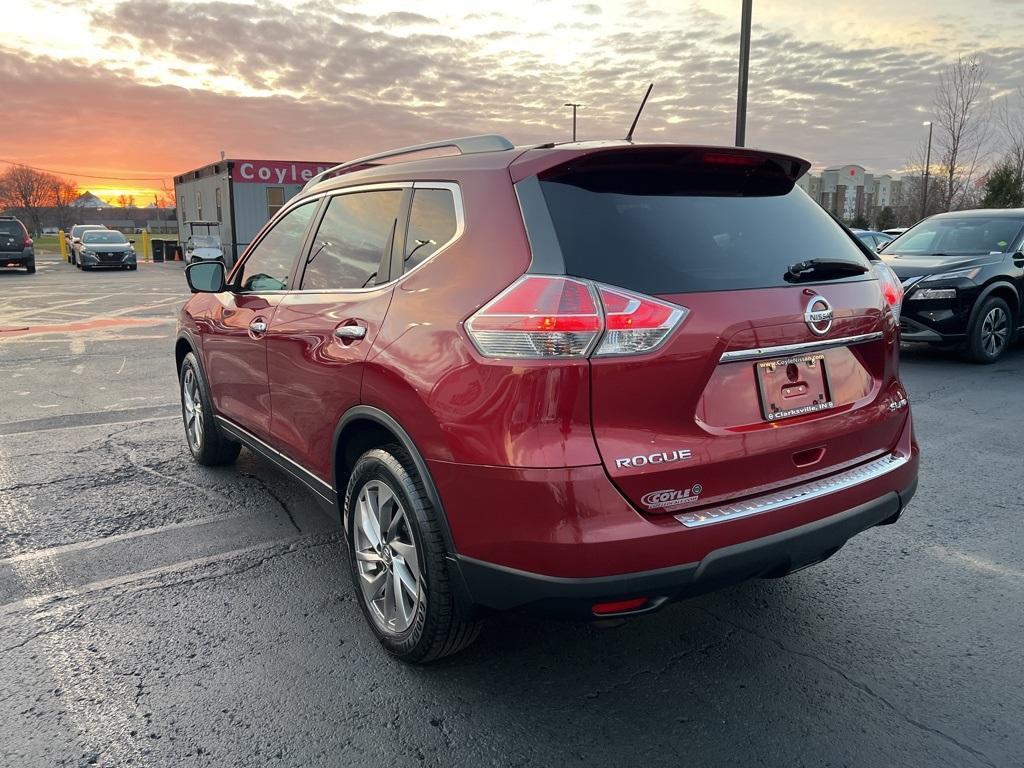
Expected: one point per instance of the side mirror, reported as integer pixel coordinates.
(205, 276)
(76, 240)
(131, 242)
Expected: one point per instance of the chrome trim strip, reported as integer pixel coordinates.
(785, 350)
(313, 482)
(798, 495)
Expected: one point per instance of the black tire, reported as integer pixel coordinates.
(133, 267)
(212, 447)
(991, 332)
(437, 629)
(84, 267)
(30, 267)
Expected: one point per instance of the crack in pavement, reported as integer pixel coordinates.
(858, 685)
(672, 661)
(42, 633)
(273, 494)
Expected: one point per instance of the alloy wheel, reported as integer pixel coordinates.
(193, 410)
(995, 330)
(387, 559)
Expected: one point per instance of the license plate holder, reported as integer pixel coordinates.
(793, 386)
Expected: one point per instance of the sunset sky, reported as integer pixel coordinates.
(145, 89)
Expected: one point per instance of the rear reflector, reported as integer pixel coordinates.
(892, 288)
(619, 606)
(542, 316)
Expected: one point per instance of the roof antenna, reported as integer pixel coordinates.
(629, 136)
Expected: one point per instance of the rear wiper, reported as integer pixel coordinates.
(823, 269)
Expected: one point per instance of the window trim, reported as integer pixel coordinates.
(398, 256)
(295, 202)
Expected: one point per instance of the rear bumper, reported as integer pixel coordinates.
(498, 588)
(19, 259)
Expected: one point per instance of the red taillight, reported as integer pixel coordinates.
(619, 606)
(726, 158)
(538, 316)
(635, 323)
(892, 288)
(541, 316)
(28, 240)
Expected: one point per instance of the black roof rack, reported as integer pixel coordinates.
(467, 145)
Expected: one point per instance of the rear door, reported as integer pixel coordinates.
(778, 372)
(321, 334)
(234, 340)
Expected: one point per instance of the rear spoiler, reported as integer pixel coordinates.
(610, 154)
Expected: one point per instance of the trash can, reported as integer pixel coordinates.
(157, 247)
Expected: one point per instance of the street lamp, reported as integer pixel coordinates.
(574, 108)
(741, 91)
(927, 167)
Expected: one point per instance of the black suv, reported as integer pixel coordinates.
(963, 276)
(16, 248)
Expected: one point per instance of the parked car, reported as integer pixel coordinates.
(963, 273)
(894, 231)
(73, 238)
(106, 248)
(873, 240)
(586, 379)
(16, 247)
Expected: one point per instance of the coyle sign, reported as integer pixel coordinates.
(274, 171)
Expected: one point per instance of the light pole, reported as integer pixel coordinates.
(574, 108)
(927, 167)
(741, 95)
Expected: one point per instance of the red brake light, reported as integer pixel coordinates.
(538, 316)
(541, 316)
(28, 240)
(892, 288)
(726, 158)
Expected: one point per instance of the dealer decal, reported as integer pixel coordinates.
(672, 497)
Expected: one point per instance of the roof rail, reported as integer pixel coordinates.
(467, 145)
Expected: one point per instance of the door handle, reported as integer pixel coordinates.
(350, 332)
(258, 327)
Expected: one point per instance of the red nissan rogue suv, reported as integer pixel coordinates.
(586, 379)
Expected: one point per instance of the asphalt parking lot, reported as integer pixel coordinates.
(157, 613)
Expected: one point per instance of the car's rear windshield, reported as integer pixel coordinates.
(10, 228)
(959, 236)
(669, 231)
(103, 237)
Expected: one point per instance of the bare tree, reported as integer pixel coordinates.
(26, 192)
(126, 201)
(961, 128)
(63, 197)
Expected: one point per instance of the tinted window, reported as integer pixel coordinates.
(268, 266)
(432, 224)
(10, 228)
(958, 236)
(350, 242)
(665, 231)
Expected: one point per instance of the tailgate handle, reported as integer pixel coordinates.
(809, 457)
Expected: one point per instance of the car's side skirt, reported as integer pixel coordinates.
(278, 459)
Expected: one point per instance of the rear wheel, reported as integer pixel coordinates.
(30, 267)
(991, 332)
(133, 266)
(397, 559)
(209, 446)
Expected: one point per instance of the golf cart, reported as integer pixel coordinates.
(203, 242)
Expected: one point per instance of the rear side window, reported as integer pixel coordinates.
(432, 224)
(351, 241)
(669, 231)
(269, 265)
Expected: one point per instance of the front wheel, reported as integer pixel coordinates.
(991, 331)
(397, 558)
(208, 445)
